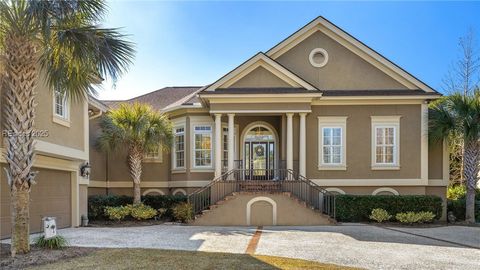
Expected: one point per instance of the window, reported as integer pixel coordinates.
(179, 146)
(225, 144)
(153, 156)
(332, 142)
(385, 145)
(332, 145)
(202, 146)
(60, 105)
(385, 142)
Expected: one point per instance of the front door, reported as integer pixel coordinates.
(259, 160)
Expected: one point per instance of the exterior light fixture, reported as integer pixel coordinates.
(85, 170)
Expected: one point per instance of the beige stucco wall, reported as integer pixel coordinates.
(358, 156)
(98, 159)
(344, 70)
(72, 136)
(234, 212)
(435, 160)
(259, 77)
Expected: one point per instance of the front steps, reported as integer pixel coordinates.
(251, 208)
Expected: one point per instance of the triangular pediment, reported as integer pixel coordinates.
(380, 67)
(260, 71)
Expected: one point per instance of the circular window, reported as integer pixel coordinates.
(318, 57)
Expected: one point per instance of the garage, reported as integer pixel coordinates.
(51, 196)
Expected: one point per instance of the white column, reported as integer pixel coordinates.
(218, 144)
(289, 141)
(302, 166)
(231, 141)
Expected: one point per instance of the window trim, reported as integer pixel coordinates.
(385, 122)
(154, 159)
(57, 118)
(332, 122)
(212, 142)
(174, 152)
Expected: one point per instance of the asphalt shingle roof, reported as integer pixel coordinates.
(158, 99)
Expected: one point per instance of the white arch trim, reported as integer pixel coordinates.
(153, 190)
(385, 189)
(181, 190)
(258, 199)
(333, 189)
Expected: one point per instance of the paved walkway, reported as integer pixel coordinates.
(357, 245)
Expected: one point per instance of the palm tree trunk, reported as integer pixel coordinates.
(21, 76)
(135, 158)
(470, 164)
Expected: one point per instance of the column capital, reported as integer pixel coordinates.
(303, 114)
(230, 114)
(289, 114)
(218, 115)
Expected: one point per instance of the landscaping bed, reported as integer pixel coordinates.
(125, 223)
(38, 256)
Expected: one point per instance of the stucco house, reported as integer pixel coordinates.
(319, 108)
(320, 104)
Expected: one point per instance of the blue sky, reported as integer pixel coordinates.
(195, 43)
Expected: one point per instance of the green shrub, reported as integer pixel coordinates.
(117, 212)
(142, 211)
(355, 208)
(97, 204)
(380, 215)
(457, 207)
(56, 242)
(412, 217)
(456, 192)
(183, 212)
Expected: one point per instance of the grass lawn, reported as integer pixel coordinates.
(172, 259)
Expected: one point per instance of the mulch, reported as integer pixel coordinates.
(39, 256)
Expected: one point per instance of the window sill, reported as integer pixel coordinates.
(179, 170)
(332, 168)
(385, 168)
(202, 170)
(61, 121)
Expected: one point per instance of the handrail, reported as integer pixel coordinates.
(285, 180)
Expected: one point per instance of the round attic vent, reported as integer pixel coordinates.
(318, 57)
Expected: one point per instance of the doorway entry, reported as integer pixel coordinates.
(259, 154)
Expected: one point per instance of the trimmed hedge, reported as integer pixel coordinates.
(458, 207)
(97, 203)
(355, 208)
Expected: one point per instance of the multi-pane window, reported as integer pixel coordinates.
(332, 145)
(153, 154)
(203, 146)
(225, 144)
(385, 147)
(60, 105)
(179, 147)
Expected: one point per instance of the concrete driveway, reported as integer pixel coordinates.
(358, 245)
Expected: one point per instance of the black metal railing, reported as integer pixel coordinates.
(237, 164)
(259, 180)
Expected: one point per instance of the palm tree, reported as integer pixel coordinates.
(459, 116)
(139, 129)
(63, 40)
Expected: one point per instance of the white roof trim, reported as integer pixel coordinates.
(357, 47)
(260, 59)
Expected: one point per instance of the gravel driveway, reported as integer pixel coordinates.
(356, 245)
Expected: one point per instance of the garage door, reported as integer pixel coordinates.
(51, 196)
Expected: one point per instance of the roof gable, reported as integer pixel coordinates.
(332, 31)
(261, 63)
